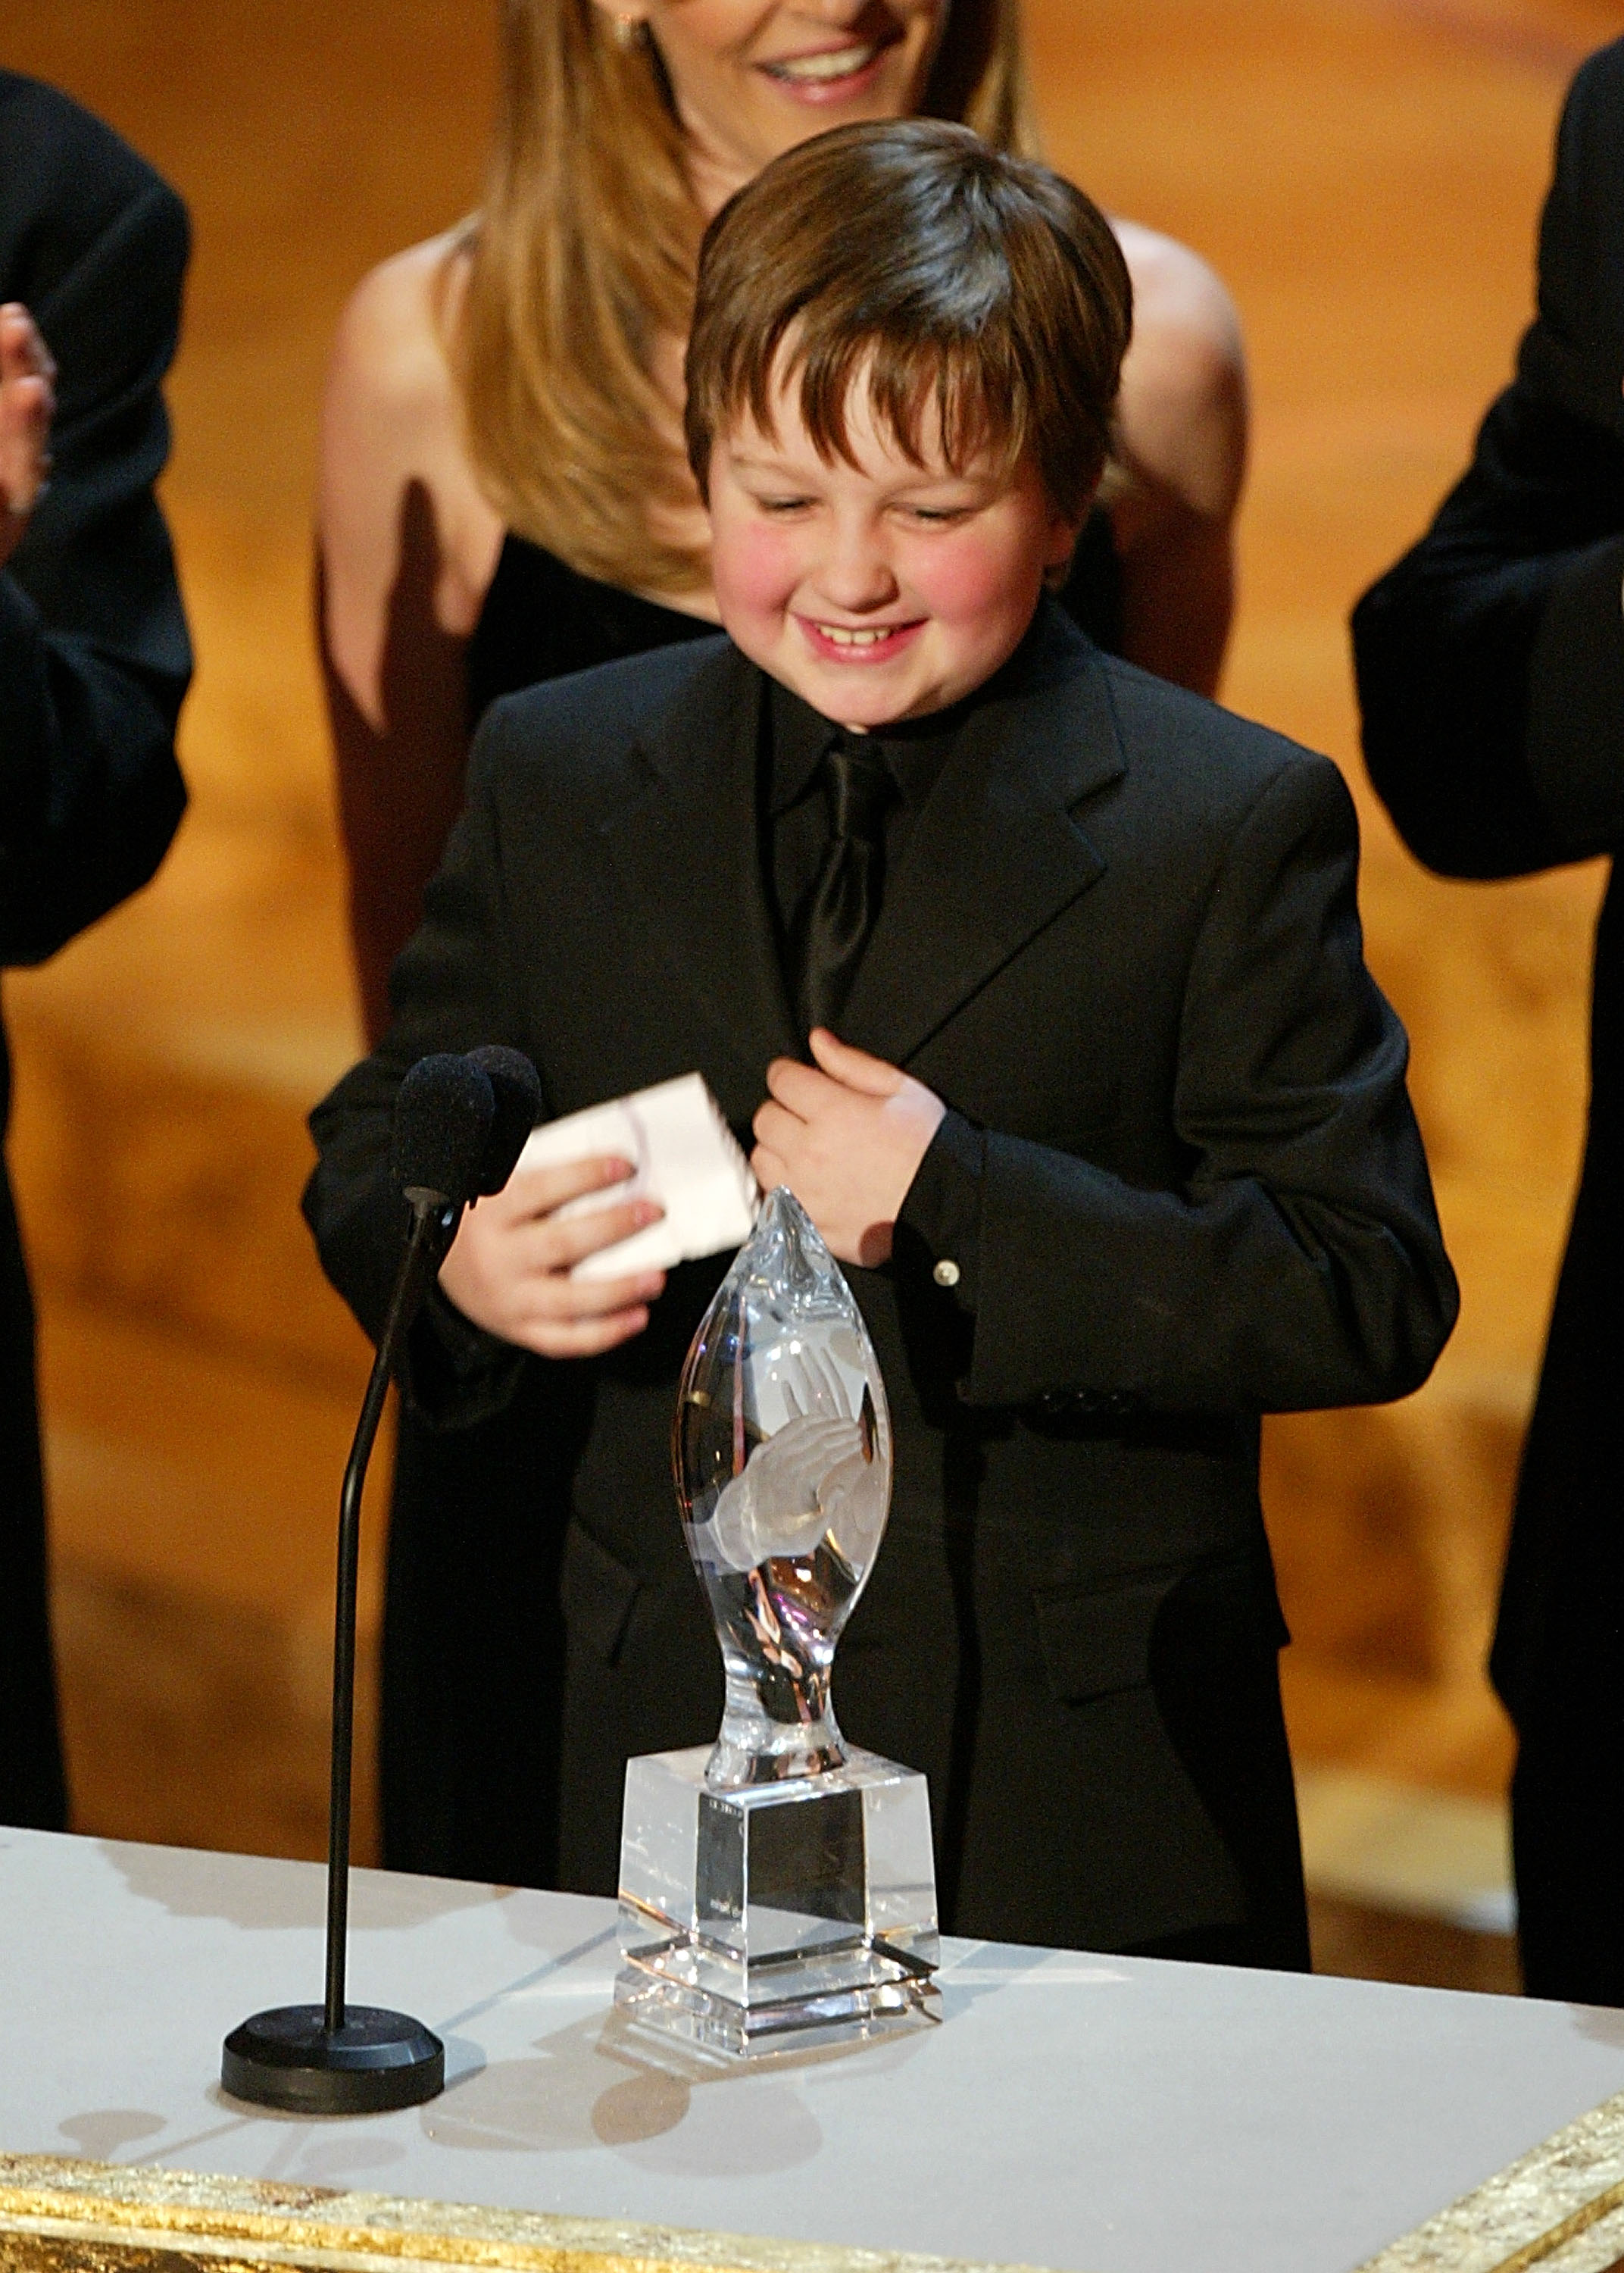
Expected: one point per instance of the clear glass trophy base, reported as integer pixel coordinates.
(781, 1915)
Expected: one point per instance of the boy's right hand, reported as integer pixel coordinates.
(509, 1266)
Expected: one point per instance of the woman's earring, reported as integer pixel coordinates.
(628, 32)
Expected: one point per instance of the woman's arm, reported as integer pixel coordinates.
(1182, 420)
(406, 547)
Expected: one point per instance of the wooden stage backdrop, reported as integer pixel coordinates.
(1367, 174)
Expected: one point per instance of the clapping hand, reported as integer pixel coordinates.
(28, 404)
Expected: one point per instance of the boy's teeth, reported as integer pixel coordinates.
(842, 637)
(840, 64)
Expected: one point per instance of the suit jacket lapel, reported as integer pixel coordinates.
(995, 854)
(688, 853)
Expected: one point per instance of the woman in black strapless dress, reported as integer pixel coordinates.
(446, 430)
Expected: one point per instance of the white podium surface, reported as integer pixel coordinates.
(1087, 2114)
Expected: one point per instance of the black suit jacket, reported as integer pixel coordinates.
(94, 662)
(1491, 671)
(1123, 941)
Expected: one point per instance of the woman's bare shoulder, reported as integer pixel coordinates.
(390, 352)
(1178, 293)
(1183, 405)
(392, 443)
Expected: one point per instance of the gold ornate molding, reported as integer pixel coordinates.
(1559, 2210)
(58, 2215)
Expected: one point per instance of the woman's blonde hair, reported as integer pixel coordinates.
(583, 256)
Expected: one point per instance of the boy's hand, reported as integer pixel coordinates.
(509, 1266)
(847, 1135)
(28, 404)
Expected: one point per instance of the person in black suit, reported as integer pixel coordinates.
(94, 662)
(1113, 1141)
(1491, 672)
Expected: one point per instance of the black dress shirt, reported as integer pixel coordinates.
(939, 1224)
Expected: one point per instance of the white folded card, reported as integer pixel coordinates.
(683, 1154)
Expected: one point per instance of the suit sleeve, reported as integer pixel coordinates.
(1491, 659)
(1300, 1264)
(448, 992)
(93, 653)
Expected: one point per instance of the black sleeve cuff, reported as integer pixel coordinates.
(940, 1218)
(452, 1372)
(1575, 705)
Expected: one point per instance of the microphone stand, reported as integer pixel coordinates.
(336, 2059)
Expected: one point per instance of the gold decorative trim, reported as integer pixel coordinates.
(1560, 2208)
(59, 2215)
(1557, 2210)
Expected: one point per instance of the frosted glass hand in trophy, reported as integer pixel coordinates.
(781, 1883)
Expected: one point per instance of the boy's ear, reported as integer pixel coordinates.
(1063, 534)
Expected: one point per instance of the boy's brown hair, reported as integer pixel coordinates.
(953, 274)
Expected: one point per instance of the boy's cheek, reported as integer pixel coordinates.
(968, 584)
(752, 571)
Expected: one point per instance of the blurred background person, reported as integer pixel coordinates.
(1491, 671)
(504, 497)
(94, 664)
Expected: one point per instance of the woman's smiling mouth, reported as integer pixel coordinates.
(824, 77)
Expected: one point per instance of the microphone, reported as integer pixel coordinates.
(443, 1118)
(517, 1088)
(337, 2059)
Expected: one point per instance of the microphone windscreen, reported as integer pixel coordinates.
(443, 1114)
(517, 1088)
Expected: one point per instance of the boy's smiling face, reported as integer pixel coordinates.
(879, 589)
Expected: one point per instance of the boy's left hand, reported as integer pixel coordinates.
(847, 1135)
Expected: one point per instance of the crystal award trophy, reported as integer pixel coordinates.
(779, 1887)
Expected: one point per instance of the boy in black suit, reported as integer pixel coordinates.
(1113, 1139)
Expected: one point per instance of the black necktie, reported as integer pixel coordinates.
(844, 899)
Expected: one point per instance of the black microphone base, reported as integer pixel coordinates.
(377, 2060)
